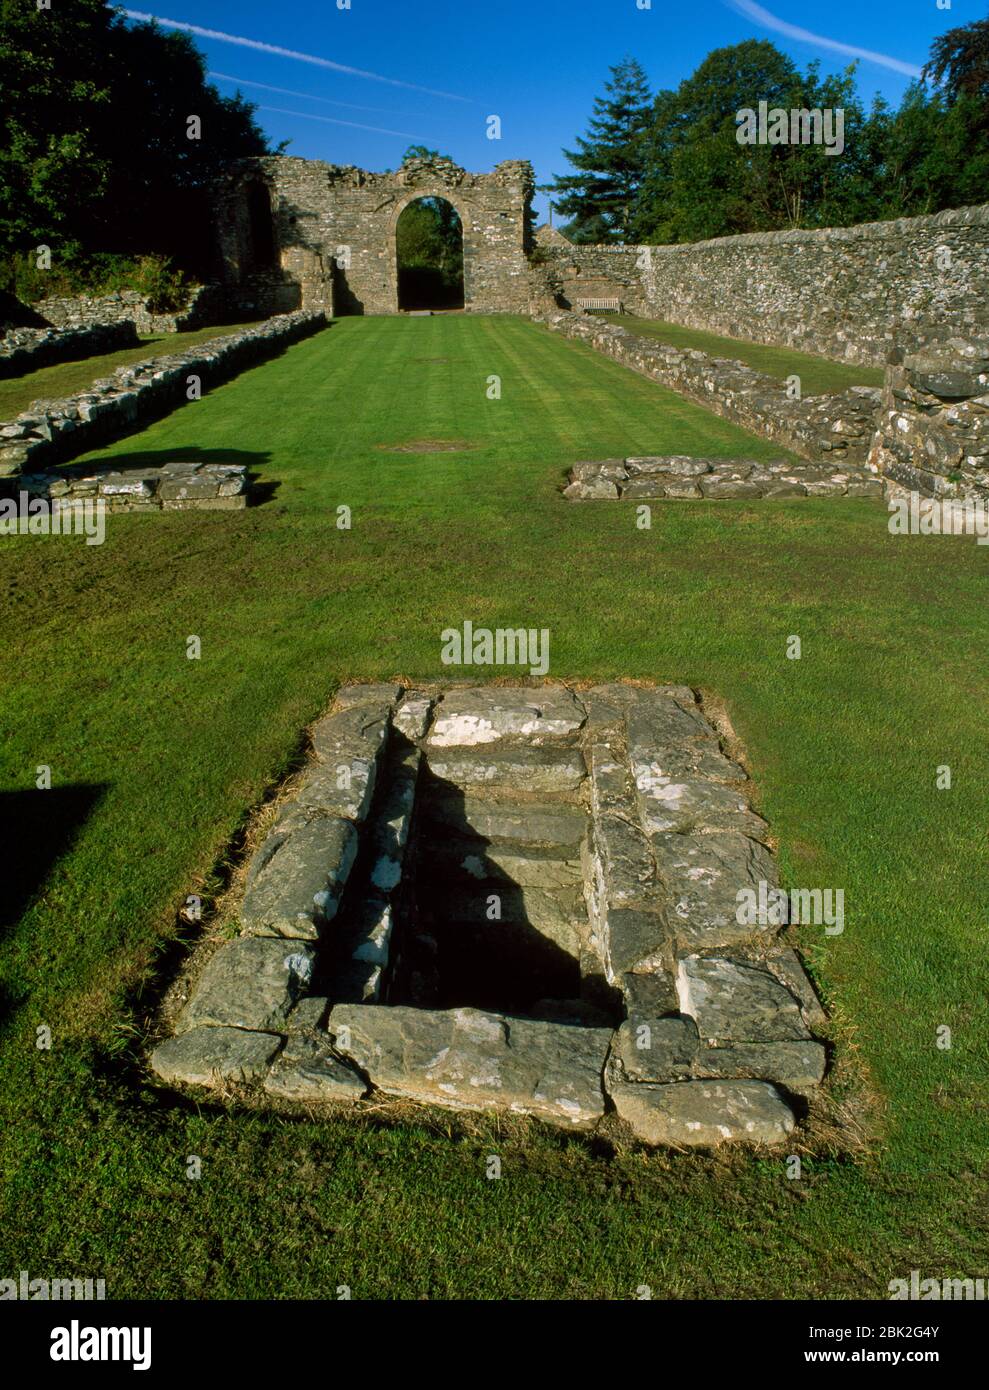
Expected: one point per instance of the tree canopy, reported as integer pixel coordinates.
(95, 147)
(669, 167)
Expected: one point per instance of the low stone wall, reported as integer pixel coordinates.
(52, 431)
(181, 485)
(828, 430)
(206, 303)
(563, 273)
(516, 899)
(933, 434)
(26, 349)
(676, 477)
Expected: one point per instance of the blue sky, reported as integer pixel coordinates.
(537, 64)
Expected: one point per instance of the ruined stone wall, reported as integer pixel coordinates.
(849, 293)
(51, 431)
(933, 434)
(206, 304)
(569, 273)
(831, 430)
(330, 242)
(26, 349)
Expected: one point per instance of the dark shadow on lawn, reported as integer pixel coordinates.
(36, 829)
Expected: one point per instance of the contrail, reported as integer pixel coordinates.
(792, 31)
(307, 96)
(330, 120)
(288, 53)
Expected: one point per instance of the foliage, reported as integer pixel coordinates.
(429, 242)
(155, 277)
(95, 153)
(679, 173)
(611, 161)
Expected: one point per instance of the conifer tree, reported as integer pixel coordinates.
(610, 161)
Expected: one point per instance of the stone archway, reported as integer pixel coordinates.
(433, 286)
(335, 225)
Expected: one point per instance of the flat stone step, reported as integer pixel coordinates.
(523, 769)
(504, 822)
(478, 861)
(470, 1060)
(469, 717)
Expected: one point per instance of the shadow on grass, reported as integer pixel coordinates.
(37, 828)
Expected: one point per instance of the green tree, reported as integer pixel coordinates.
(959, 63)
(611, 160)
(94, 147)
(56, 87)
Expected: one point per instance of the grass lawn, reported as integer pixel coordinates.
(155, 759)
(819, 376)
(68, 378)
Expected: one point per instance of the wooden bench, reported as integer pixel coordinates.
(613, 306)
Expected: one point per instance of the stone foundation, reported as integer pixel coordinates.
(205, 303)
(174, 487)
(26, 349)
(825, 430)
(52, 431)
(644, 479)
(518, 899)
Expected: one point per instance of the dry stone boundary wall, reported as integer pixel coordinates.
(26, 349)
(851, 293)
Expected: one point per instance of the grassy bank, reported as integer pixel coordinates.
(156, 758)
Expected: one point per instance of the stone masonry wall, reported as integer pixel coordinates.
(933, 434)
(325, 228)
(824, 429)
(849, 293)
(564, 273)
(205, 303)
(52, 431)
(26, 349)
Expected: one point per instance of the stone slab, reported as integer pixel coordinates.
(470, 1060)
(521, 769)
(469, 717)
(252, 983)
(704, 1114)
(205, 1056)
(297, 877)
(703, 874)
(734, 1002)
(307, 1070)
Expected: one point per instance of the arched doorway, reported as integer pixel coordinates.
(429, 249)
(260, 227)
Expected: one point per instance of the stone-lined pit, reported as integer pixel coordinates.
(520, 899)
